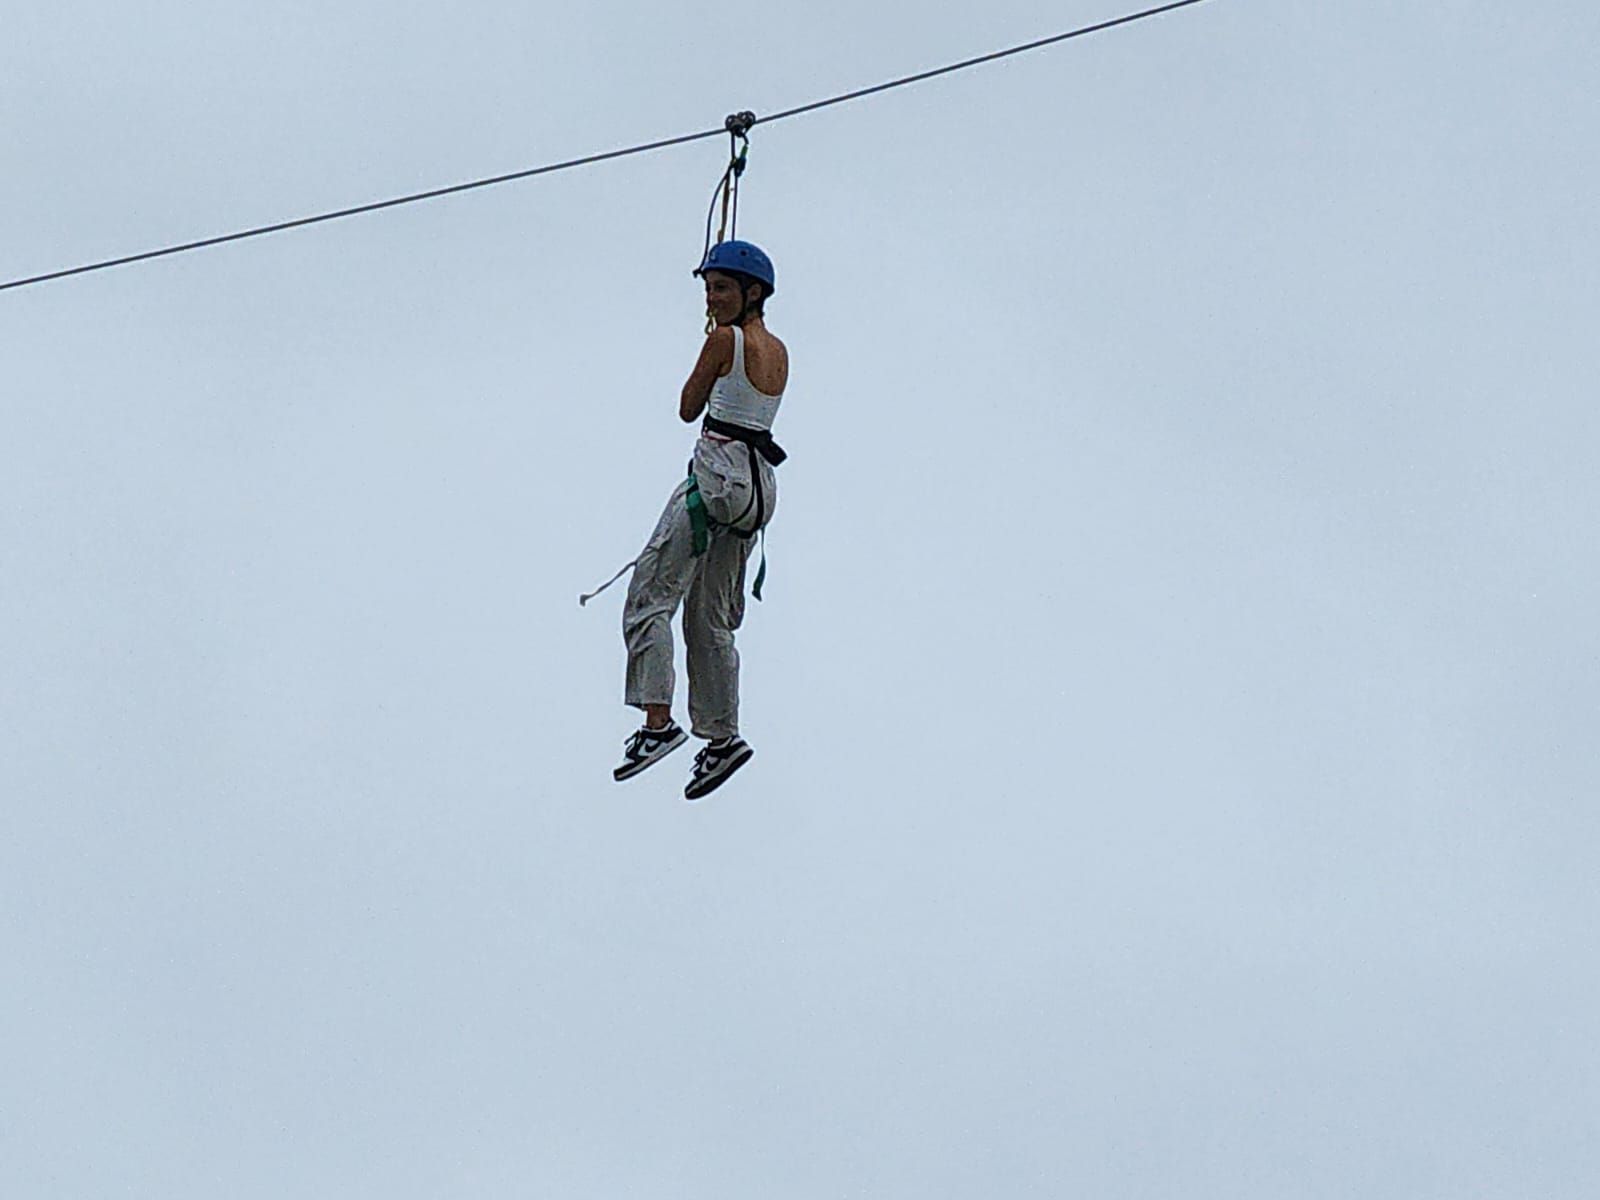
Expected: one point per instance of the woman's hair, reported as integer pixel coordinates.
(745, 281)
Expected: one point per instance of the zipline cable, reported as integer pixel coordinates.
(980, 60)
(548, 169)
(551, 168)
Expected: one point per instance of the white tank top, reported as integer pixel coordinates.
(735, 399)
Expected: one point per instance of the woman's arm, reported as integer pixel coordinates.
(716, 358)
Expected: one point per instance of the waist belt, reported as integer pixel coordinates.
(760, 442)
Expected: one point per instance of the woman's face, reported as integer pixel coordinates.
(723, 299)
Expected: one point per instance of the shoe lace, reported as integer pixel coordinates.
(710, 754)
(645, 734)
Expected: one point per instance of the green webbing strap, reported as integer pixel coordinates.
(699, 523)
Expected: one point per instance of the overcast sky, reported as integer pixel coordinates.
(1175, 699)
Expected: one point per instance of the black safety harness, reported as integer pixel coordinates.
(758, 441)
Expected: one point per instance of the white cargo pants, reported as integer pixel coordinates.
(711, 585)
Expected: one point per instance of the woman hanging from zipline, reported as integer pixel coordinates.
(703, 540)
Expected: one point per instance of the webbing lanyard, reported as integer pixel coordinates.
(699, 522)
(727, 189)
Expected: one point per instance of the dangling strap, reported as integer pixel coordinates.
(588, 596)
(699, 525)
(761, 574)
(699, 521)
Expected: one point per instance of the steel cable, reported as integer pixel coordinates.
(550, 168)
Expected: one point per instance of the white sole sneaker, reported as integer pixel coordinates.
(713, 765)
(647, 747)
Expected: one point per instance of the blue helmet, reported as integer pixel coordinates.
(741, 258)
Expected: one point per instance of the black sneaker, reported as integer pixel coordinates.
(648, 746)
(714, 764)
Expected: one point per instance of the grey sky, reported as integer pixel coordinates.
(1174, 701)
